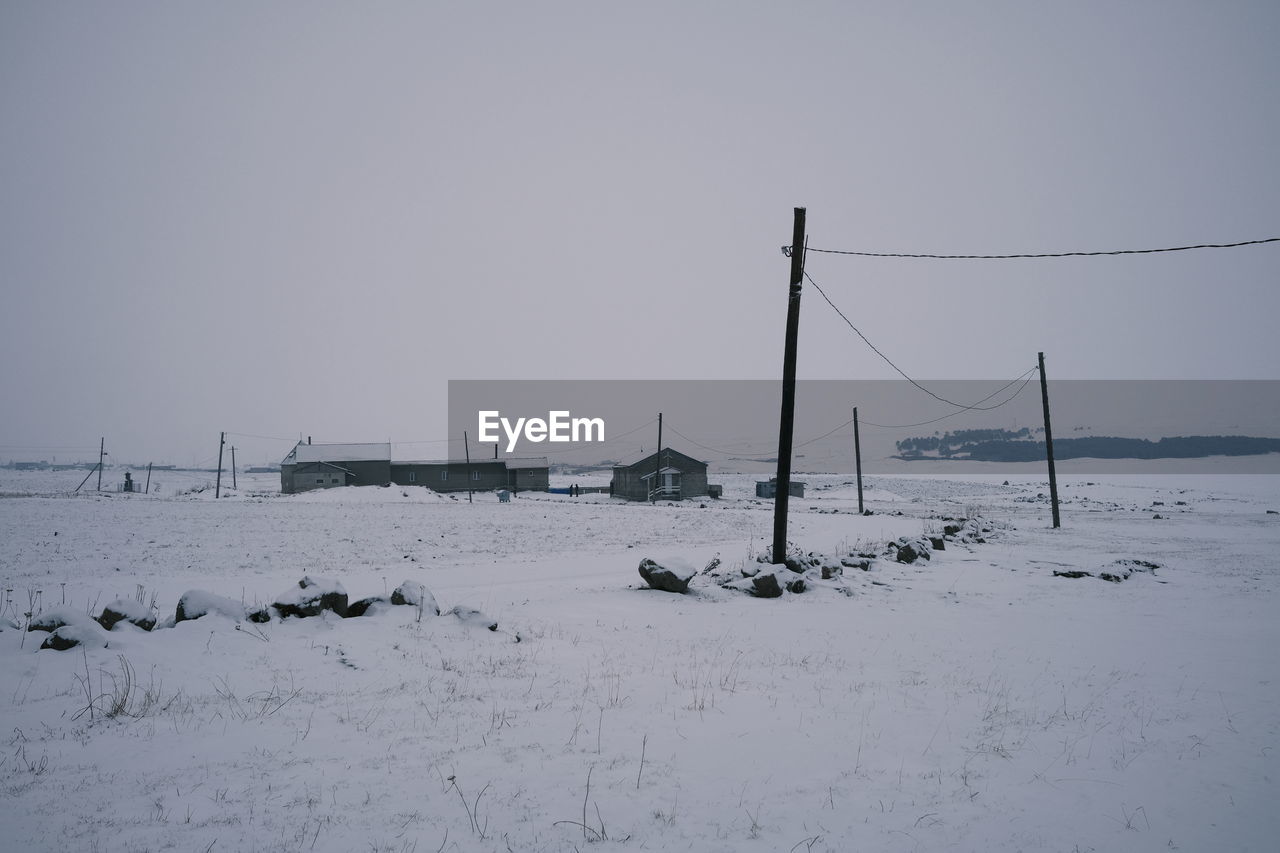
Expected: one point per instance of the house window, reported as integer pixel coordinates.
(475, 475)
(320, 481)
(335, 479)
(444, 475)
(413, 476)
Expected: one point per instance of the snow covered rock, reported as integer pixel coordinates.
(311, 597)
(470, 616)
(414, 594)
(671, 575)
(771, 583)
(195, 603)
(57, 617)
(66, 637)
(127, 610)
(363, 606)
(909, 550)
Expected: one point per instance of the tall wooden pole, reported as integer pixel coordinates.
(147, 490)
(102, 451)
(857, 457)
(217, 489)
(233, 467)
(657, 465)
(1048, 444)
(466, 448)
(787, 423)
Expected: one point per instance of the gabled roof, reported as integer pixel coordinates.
(669, 456)
(376, 452)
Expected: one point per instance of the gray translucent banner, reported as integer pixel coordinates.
(1098, 426)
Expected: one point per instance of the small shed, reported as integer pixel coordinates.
(769, 488)
(666, 475)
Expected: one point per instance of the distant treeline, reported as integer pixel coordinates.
(950, 442)
(1013, 448)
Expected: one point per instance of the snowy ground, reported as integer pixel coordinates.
(973, 702)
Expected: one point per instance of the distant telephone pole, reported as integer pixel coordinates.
(466, 448)
(1048, 444)
(217, 489)
(233, 467)
(102, 452)
(657, 465)
(787, 424)
(857, 457)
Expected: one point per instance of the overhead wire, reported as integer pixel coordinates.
(973, 407)
(1042, 254)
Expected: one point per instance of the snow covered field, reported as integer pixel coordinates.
(975, 701)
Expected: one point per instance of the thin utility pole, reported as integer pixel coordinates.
(787, 423)
(233, 467)
(102, 451)
(147, 490)
(857, 457)
(466, 448)
(657, 466)
(1048, 444)
(217, 489)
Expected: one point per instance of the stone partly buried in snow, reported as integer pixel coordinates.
(312, 597)
(1124, 569)
(671, 575)
(470, 616)
(195, 603)
(127, 610)
(770, 584)
(409, 593)
(69, 636)
(414, 594)
(910, 550)
(57, 617)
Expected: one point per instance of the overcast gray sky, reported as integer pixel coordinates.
(304, 218)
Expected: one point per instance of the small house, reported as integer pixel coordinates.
(665, 475)
(326, 466)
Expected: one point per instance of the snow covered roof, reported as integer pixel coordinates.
(473, 462)
(527, 462)
(378, 451)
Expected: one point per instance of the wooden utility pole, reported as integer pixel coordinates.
(466, 448)
(233, 467)
(102, 452)
(657, 465)
(217, 489)
(147, 490)
(857, 457)
(1048, 444)
(785, 427)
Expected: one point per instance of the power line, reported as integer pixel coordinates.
(1024, 384)
(786, 250)
(263, 437)
(974, 407)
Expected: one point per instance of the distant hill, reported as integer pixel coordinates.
(998, 445)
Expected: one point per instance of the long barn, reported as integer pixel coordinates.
(327, 466)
